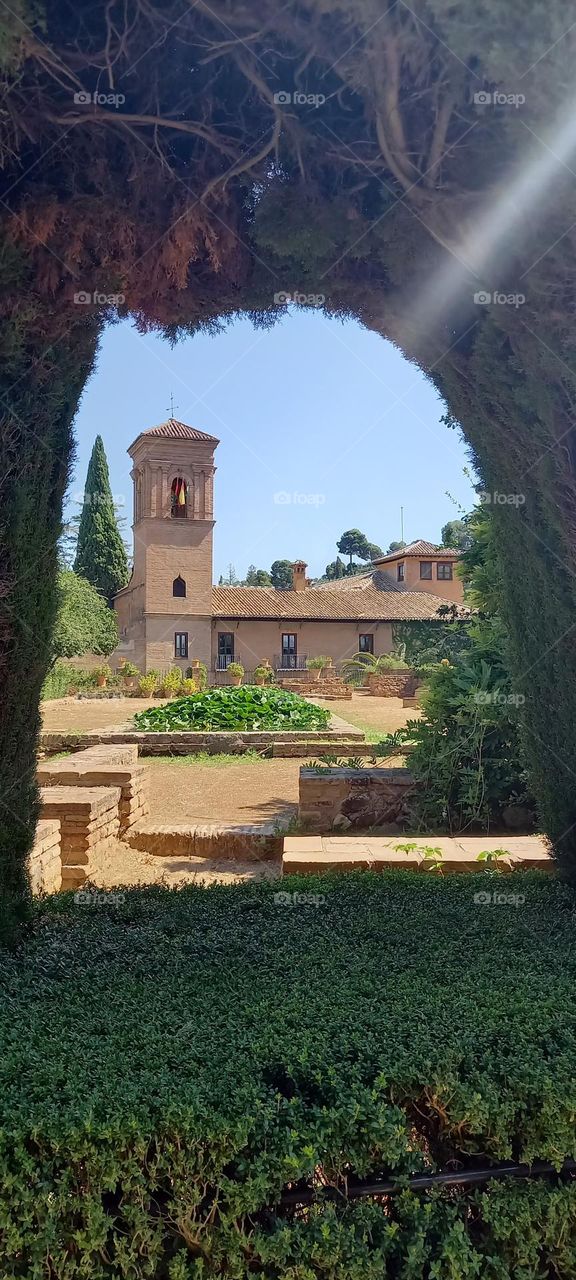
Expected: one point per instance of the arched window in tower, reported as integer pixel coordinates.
(179, 587)
(179, 498)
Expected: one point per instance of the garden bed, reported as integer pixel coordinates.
(165, 1053)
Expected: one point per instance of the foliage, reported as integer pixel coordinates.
(257, 577)
(424, 643)
(395, 546)
(335, 570)
(148, 684)
(236, 669)
(103, 670)
(465, 751)
(354, 543)
(318, 663)
(231, 579)
(189, 685)
(128, 669)
(248, 707)
(198, 673)
(264, 672)
(62, 678)
(281, 575)
(457, 535)
(217, 1046)
(100, 552)
(84, 622)
(356, 669)
(171, 682)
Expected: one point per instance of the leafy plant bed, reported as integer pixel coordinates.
(172, 1062)
(249, 707)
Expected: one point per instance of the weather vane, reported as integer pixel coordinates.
(172, 406)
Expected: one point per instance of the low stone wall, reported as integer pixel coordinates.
(88, 819)
(248, 843)
(341, 799)
(104, 766)
(338, 732)
(44, 865)
(393, 684)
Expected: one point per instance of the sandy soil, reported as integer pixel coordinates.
(242, 791)
(90, 713)
(368, 713)
(121, 865)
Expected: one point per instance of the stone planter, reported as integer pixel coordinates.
(236, 681)
(101, 682)
(344, 799)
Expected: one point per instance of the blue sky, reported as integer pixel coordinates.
(323, 427)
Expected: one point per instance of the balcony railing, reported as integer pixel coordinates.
(290, 662)
(223, 661)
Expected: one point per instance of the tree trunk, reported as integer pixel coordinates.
(40, 389)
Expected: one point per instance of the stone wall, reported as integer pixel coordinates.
(340, 799)
(393, 684)
(44, 866)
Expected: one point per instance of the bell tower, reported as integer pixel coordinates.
(165, 612)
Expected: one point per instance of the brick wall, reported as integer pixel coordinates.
(393, 684)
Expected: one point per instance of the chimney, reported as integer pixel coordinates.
(299, 579)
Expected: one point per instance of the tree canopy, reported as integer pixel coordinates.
(84, 621)
(457, 535)
(100, 551)
(281, 575)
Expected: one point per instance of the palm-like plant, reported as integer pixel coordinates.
(356, 669)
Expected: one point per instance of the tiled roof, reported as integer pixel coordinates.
(377, 579)
(174, 430)
(366, 605)
(420, 548)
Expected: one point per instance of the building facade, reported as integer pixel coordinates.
(170, 613)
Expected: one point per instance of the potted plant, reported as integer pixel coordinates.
(172, 682)
(128, 671)
(147, 684)
(198, 672)
(317, 665)
(260, 675)
(102, 673)
(189, 686)
(236, 672)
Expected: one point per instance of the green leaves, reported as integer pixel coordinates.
(249, 708)
(169, 1063)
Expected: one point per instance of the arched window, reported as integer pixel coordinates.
(179, 587)
(179, 498)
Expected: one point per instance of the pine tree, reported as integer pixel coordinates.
(100, 552)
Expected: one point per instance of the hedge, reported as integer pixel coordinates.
(170, 1061)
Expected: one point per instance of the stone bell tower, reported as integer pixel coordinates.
(165, 612)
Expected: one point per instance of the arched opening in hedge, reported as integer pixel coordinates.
(401, 165)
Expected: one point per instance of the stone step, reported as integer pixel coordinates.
(227, 842)
(311, 855)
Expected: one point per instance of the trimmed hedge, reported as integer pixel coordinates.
(171, 1060)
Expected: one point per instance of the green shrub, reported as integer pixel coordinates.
(318, 663)
(465, 752)
(171, 682)
(148, 684)
(62, 678)
(247, 707)
(171, 1061)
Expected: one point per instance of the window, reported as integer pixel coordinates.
(181, 644)
(366, 644)
(179, 587)
(289, 650)
(426, 570)
(179, 498)
(225, 650)
(401, 572)
(444, 571)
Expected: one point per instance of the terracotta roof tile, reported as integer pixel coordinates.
(367, 605)
(174, 430)
(420, 548)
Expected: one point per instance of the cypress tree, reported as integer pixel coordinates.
(100, 553)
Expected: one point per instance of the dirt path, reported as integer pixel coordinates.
(90, 713)
(374, 715)
(238, 791)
